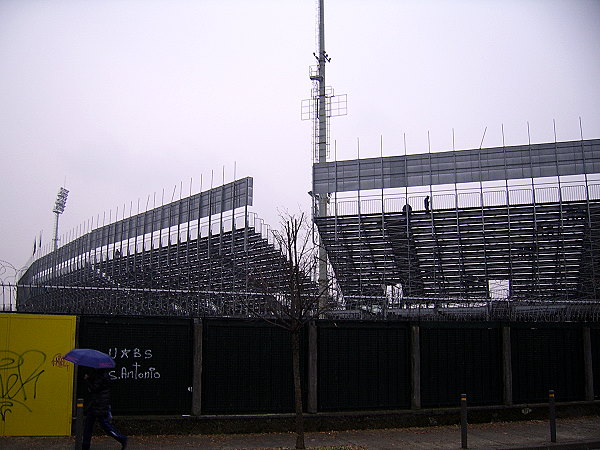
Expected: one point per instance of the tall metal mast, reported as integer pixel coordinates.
(320, 80)
(320, 108)
(59, 208)
(322, 144)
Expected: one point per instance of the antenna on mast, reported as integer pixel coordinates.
(323, 103)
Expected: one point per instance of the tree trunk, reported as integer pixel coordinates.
(297, 389)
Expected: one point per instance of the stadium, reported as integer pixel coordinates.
(503, 233)
(430, 277)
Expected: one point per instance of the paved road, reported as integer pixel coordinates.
(576, 433)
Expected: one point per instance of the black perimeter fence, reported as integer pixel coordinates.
(235, 366)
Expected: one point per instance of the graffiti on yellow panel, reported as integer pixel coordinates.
(36, 387)
(19, 377)
(58, 361)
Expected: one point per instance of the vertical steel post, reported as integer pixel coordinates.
(589, 214)
(122, 238)
(385, 300)
(552, 414)
(536, 267)
(587, 364)
(54, 254)
(199, 257)
(561, 235)
(360, 240)
(428, 204)
(221, 231)
(415, 367)
(313, 374)
(463, 420)
(178, 244)
(506, 186)
(55, 239)
(188, 266)
(461, 262)
(482, 200)
(79, 424)
(408, 292)
(507, 366)
(197, 363)
(141, 270)
(208, 286)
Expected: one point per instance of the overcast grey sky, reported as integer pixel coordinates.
(122, 98)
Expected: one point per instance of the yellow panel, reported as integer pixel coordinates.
(37, 385)
(3, 345)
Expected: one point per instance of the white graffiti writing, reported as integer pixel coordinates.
(129, 353)
(135, 372)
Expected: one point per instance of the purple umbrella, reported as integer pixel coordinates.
(90, 358)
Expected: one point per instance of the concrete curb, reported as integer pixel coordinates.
(339, 421)
(585, 445)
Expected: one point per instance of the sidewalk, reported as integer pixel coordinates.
(574, 433)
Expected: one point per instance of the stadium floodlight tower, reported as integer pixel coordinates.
(59, 208)
(323, 105)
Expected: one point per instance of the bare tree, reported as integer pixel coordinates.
(291, 297)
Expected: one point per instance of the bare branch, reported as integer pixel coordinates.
(291, 297)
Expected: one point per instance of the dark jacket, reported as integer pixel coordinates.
(99, 393)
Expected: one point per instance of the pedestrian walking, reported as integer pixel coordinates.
(98, 408)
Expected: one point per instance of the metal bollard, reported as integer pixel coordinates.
(79, 424)
(552, 414)
(463, 420)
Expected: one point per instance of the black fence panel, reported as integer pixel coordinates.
(363, 365)
(246, 367)
(547, 357)
(460, 359)
(154, 365)
(595, 338)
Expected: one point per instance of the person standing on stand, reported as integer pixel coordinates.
(98, 408)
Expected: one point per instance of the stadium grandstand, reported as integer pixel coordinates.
(501, 233)
(504, 233)
(204, 255)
